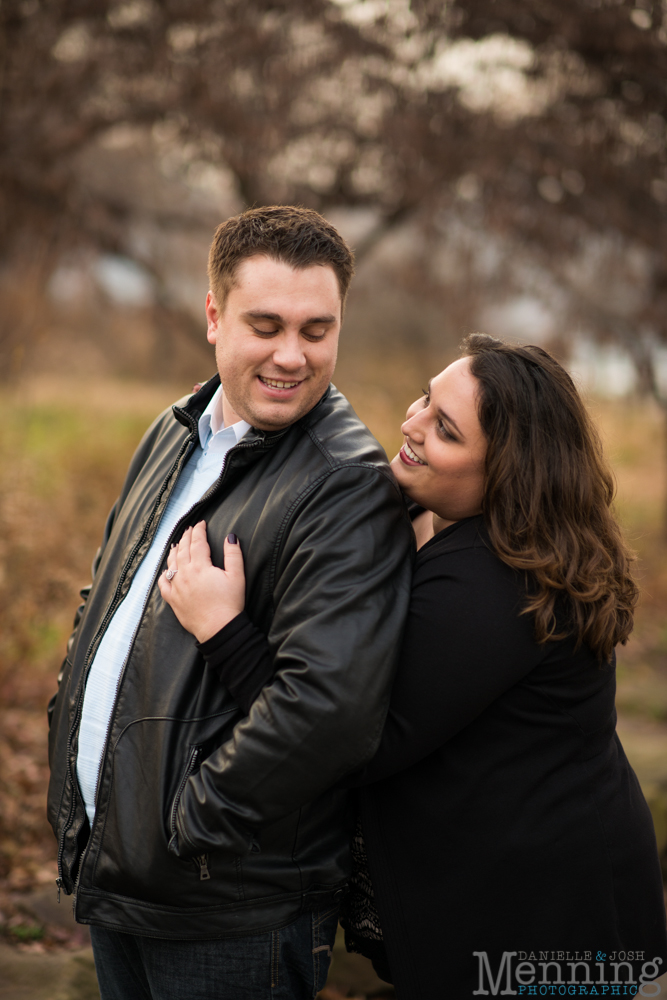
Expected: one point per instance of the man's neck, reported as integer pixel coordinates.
(229, 414)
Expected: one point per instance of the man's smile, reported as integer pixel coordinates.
(278, 383)
(279, 389)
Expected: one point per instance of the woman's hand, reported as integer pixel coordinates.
(203, 597)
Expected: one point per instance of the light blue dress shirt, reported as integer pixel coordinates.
(201, 471)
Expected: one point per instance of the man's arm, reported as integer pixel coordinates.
(341, 591)
(138, 459)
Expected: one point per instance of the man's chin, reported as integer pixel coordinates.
(277, 416)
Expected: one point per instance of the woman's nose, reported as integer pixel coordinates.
(413, 425)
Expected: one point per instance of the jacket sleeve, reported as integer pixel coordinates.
(341, 589)
(241, 657)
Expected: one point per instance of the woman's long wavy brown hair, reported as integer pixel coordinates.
(548, 496)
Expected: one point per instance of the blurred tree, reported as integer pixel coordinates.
(545, 119)
(218, 79)
(223, 76)
(595, 153)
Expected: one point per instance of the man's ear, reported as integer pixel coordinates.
(213, 318)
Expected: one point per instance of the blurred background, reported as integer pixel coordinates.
(499, 165)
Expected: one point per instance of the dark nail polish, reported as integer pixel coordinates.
(232, 539)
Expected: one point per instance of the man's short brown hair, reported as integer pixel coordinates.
(297, 236)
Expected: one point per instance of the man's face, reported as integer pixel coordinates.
(276, 341)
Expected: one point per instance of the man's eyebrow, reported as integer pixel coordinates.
(320, 319)
(277, 318)
(265, 315)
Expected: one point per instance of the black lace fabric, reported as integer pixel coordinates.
(359, 917)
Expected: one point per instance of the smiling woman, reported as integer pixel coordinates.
(441, 464)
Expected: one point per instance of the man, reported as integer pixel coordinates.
(208, 851)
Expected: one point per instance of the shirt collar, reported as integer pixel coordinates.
(212, 422)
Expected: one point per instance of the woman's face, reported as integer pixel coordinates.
(441, 464)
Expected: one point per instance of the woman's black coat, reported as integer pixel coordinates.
(500, 813)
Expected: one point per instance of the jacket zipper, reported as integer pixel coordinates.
(201, 861)
(192, 764)
(92, 649)
(61, 845)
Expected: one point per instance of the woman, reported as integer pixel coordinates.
(507, 837)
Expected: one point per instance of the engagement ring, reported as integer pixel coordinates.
(171, 573)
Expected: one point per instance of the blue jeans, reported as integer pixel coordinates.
(290, 963)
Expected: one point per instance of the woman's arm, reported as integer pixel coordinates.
(208, 602)
(239, 653)
(203, 597)
(465, 644)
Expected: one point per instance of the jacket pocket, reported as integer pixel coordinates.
(138, 799)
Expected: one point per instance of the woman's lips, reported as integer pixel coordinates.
(404, 455)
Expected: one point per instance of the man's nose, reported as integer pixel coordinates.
(288, 353)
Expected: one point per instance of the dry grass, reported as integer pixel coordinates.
(64, 449)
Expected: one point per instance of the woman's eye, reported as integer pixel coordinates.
(427, 398)
(444, 432)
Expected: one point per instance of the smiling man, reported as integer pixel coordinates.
(276, 339)
(209, 850)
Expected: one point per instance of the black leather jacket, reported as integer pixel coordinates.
(207, 822)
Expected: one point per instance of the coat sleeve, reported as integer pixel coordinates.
(341, 589)
(241, 657)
